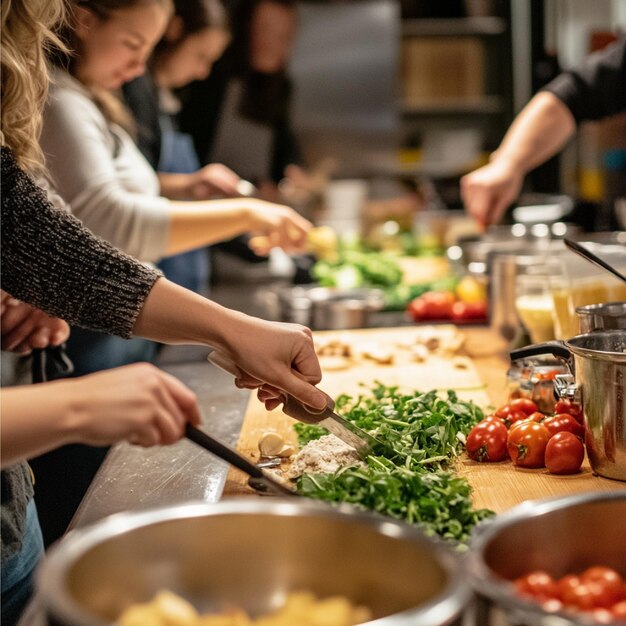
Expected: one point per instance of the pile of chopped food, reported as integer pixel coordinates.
(416, 482)
(302, 608)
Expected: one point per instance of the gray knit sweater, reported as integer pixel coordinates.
(51, 261)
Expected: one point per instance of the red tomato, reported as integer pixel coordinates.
(582, 596)
(525, 405)
(619, 610)
(469, 311)
(487, 441)
(573, 408)
(538, 584)
(527, 444)
(432, 305)
(563, 422)
(537, 416)
(567, 583)
(509, 415)
(564, 453)
(608, 579)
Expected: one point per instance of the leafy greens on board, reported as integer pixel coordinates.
(427, 432)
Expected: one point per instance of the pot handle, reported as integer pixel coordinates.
(555, 348)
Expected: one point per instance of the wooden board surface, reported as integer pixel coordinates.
(483, 379)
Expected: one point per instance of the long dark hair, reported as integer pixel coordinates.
(111, 106)
(195, 15)
(265, 96)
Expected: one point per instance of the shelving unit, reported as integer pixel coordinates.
(456, 76)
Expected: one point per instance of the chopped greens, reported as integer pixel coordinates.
(427, 433)
(438, 502)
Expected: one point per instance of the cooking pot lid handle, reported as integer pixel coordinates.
(555, 348)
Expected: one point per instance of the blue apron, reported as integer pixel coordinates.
(178, 156)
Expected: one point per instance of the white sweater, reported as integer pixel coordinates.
(96, 167)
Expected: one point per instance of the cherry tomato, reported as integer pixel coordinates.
(619, 611)
(487, 441)
(583, 596)
(573, 408)
(432, 305)
(537, 584)
(566, 583)
(509, 415)
(527, 444)
(564, 454)
(563, 422)
(469, 311)
(537, 416)
(608, 579)
(525, 405)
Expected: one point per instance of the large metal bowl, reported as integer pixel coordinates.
(250, 553)
(560, 536)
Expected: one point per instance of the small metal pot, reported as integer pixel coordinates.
(609, 316)
(560, 536)
(326, 308)
(598, 368)
(250, 553)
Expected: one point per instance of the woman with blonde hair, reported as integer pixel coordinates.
(51, 261)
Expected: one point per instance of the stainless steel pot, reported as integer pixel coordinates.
(598, 368)
(560, 536)
(326, 308)
(250, 553)
(609, 316)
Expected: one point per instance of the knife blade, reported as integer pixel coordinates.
(364, 443)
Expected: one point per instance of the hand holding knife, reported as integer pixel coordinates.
(354, 436)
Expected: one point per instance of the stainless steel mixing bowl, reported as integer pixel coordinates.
(560, 536)
(250, 553)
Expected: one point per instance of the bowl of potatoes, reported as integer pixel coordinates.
(251, 561)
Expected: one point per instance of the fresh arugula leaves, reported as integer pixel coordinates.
(427, 432)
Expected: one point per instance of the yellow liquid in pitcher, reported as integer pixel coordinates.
(535, 312)
(592, 291)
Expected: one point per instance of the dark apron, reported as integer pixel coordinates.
(178, 156)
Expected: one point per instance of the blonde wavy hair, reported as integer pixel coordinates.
(27, 35)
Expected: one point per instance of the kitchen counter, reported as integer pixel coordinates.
(134, 478)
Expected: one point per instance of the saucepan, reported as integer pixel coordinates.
(250, 553)
(559, 536)
(597, 380)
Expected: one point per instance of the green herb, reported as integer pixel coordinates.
(438, 502)
(356, 269)
(424, 429)
(427, 433)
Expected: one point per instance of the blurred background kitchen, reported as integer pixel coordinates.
(391, 103)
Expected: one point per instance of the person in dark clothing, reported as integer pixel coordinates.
(240, 115)
(595, 90)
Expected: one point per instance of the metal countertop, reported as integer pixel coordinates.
(134, 478)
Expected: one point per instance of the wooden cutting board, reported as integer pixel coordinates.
(480, 378)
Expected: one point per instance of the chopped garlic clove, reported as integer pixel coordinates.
(287, 451)
(270, 444)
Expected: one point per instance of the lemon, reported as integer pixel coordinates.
(471, 290)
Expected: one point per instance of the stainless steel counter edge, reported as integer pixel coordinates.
(134, 478)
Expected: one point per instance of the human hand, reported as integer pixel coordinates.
(214, 179)
(275, 358)
(138, 403)
(281, 226)
(24, 328)
(488, 191)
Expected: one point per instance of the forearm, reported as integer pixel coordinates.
(196, 224)
(538, 132)
(174, 186)
(35, 419)
(175, 315)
